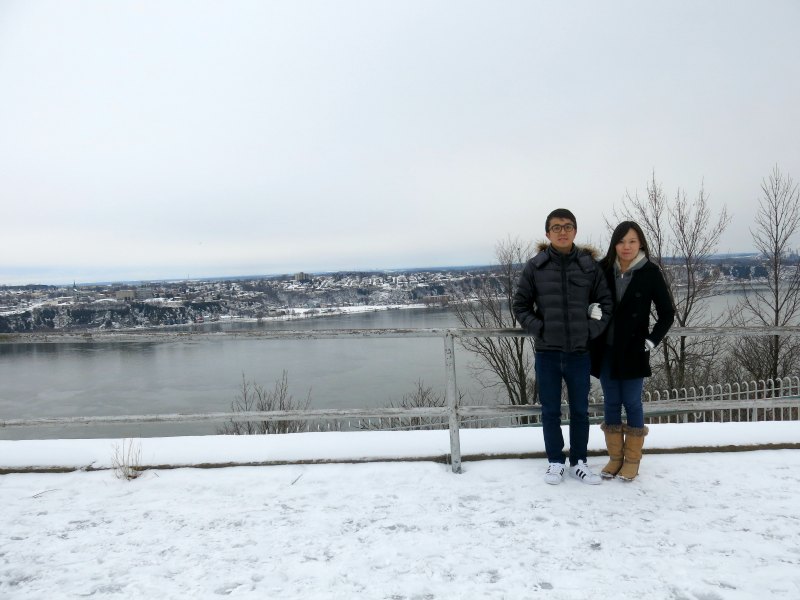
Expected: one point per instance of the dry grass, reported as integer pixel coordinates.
(126, 460)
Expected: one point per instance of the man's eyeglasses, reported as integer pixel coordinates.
(569, 228)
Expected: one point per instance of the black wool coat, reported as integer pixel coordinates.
(631, 318)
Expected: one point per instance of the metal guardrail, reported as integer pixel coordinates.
(149, 335)
(739, 396)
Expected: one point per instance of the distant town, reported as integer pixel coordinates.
(154, 304)
(171, 303)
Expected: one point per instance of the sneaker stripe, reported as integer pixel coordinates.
(584, 474)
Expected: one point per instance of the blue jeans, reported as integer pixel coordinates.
(621, 392)
(573, 368)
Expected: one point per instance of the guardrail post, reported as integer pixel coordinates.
(451, 394)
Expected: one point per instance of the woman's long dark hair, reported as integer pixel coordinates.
(620, 232)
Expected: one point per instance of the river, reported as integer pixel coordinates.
(204, 375)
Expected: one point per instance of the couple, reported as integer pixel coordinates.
(592, 318)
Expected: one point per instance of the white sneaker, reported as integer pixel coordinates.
(555, 473)
(582, 472)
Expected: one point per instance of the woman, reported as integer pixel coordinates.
(621, 356)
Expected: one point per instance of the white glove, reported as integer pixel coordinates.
(648, 345)
(595, 312)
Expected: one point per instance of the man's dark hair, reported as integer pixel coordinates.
(560, 213)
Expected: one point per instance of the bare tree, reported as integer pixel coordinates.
(505, 363)
(682, 236)
(775, 302)
(254, 397)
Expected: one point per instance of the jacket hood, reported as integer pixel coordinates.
(593, 252)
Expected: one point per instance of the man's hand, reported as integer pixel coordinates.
(648, 345)
(595, 312)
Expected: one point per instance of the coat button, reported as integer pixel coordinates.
(634, 315)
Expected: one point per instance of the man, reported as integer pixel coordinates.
(563, 300)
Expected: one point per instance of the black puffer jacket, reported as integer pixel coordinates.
(553, 297)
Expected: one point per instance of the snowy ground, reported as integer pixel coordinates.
(705, 526)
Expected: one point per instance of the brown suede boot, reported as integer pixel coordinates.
(614, 444)
(634, 440)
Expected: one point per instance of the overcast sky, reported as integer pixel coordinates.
(152, 140)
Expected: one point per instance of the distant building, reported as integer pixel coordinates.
(144, 293)
(132, 295)
(302, 277)
(436, 300)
